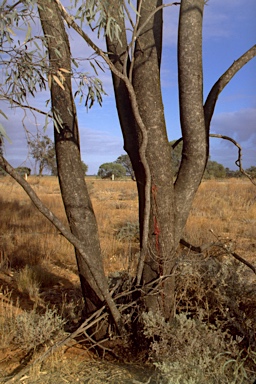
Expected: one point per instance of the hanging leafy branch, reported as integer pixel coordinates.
(24, 62)
(96, 15)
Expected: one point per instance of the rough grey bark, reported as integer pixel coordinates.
(159, 260)
(74, 192)
(138, 97)
(145, 65)
(170, 204)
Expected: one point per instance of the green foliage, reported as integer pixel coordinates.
(106, 170)
(176, 151)
(95, 13)
(189, 350)
(23, 170)
(43, 151)
(85, 168)
(24, 58)
(251, 171)
(2, 172)
(89, 88)
(1, 145)
(125, 161)
(214, 170)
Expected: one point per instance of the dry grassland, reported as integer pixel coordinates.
(38, 269)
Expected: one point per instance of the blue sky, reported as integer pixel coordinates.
(229, 30)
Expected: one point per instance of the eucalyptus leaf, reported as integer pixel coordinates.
(4, 134)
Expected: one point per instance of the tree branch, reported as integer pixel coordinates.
(238, 162)
(26, 106)
(195, 137)
(213, 95)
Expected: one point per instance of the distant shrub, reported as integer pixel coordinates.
(129, 231)
(27, 282)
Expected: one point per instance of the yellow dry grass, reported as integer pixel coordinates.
(228, 208)
(38, 267)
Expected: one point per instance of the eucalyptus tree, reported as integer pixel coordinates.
(42, 150)
(164, 201)
(125, 161)
(106, 170)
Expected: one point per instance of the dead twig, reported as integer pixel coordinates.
(238, 162)
(219, 244)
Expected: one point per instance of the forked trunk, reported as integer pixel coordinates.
(160, 254)
(169, 203)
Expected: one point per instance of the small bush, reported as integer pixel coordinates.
(191, 351)
(212, 337)
(33, 329)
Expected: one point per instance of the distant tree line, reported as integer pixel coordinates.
(214, 170)
(21, 170)
(43, 151)
(122, 167)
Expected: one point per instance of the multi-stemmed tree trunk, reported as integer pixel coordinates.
(169, 203)
(164, 204)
